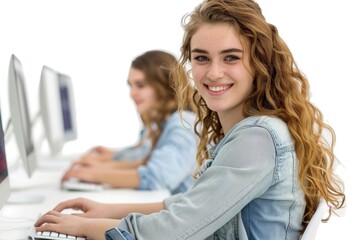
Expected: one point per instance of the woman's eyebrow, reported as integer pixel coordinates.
(230, 50)
(198, 50)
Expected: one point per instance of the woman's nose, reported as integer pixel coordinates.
(215, 71)
(133, 92)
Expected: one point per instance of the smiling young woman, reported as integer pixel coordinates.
(263, 162)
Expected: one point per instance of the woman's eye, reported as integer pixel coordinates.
(201, 58)
(231, 58)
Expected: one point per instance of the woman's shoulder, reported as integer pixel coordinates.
(262, 121)
(184, 117)
(277, 127)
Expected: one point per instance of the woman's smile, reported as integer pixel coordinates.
(217, 89)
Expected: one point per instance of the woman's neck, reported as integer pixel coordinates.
(229, 120)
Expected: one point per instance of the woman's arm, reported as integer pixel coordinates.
(118, 178)
(92, 209)
(239, 173)
(95, 219)
(123, 164)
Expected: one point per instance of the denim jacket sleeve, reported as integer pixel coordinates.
(172, 162)
(241, 171)
(114, 233)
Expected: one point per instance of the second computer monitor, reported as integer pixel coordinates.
(57, 108)
(20, 117)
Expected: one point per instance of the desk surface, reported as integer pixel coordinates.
(16, 219)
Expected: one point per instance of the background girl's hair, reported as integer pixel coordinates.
(280, 90)
(156, 67)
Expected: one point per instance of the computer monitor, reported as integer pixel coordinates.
(57, 107)
(20, 118)
(4, 176)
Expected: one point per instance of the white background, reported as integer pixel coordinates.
(95, 41)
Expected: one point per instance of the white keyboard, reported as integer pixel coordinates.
(33, 235)
(74, 184)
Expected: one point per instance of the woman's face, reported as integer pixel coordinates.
(220, 69)
(141, 92)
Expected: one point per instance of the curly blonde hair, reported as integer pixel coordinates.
(280, 90)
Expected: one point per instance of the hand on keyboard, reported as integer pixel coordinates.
(74, 184)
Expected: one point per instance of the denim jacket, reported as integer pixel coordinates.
(173, 161)
(248, 190)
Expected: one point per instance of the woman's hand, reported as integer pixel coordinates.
(101, 153)
(90, 161)
(88, 208)
(84, 173)
(61, 223)
(95, 157)
(54, 221)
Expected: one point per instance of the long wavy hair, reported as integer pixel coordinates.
(156, 66)
(280, 90)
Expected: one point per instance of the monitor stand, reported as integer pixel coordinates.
(25, 198)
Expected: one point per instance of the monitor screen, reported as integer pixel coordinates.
(20, 117)
(57, 108)
(4, 177)
(65, 102)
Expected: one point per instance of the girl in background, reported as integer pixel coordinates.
(164, 157)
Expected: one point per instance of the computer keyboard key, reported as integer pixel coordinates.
(33, 235)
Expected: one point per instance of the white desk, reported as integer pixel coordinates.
(16, 219)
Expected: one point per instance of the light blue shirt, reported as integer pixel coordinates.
(172, 163)
(248, 189)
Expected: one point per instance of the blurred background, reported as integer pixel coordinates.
(94, 43)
